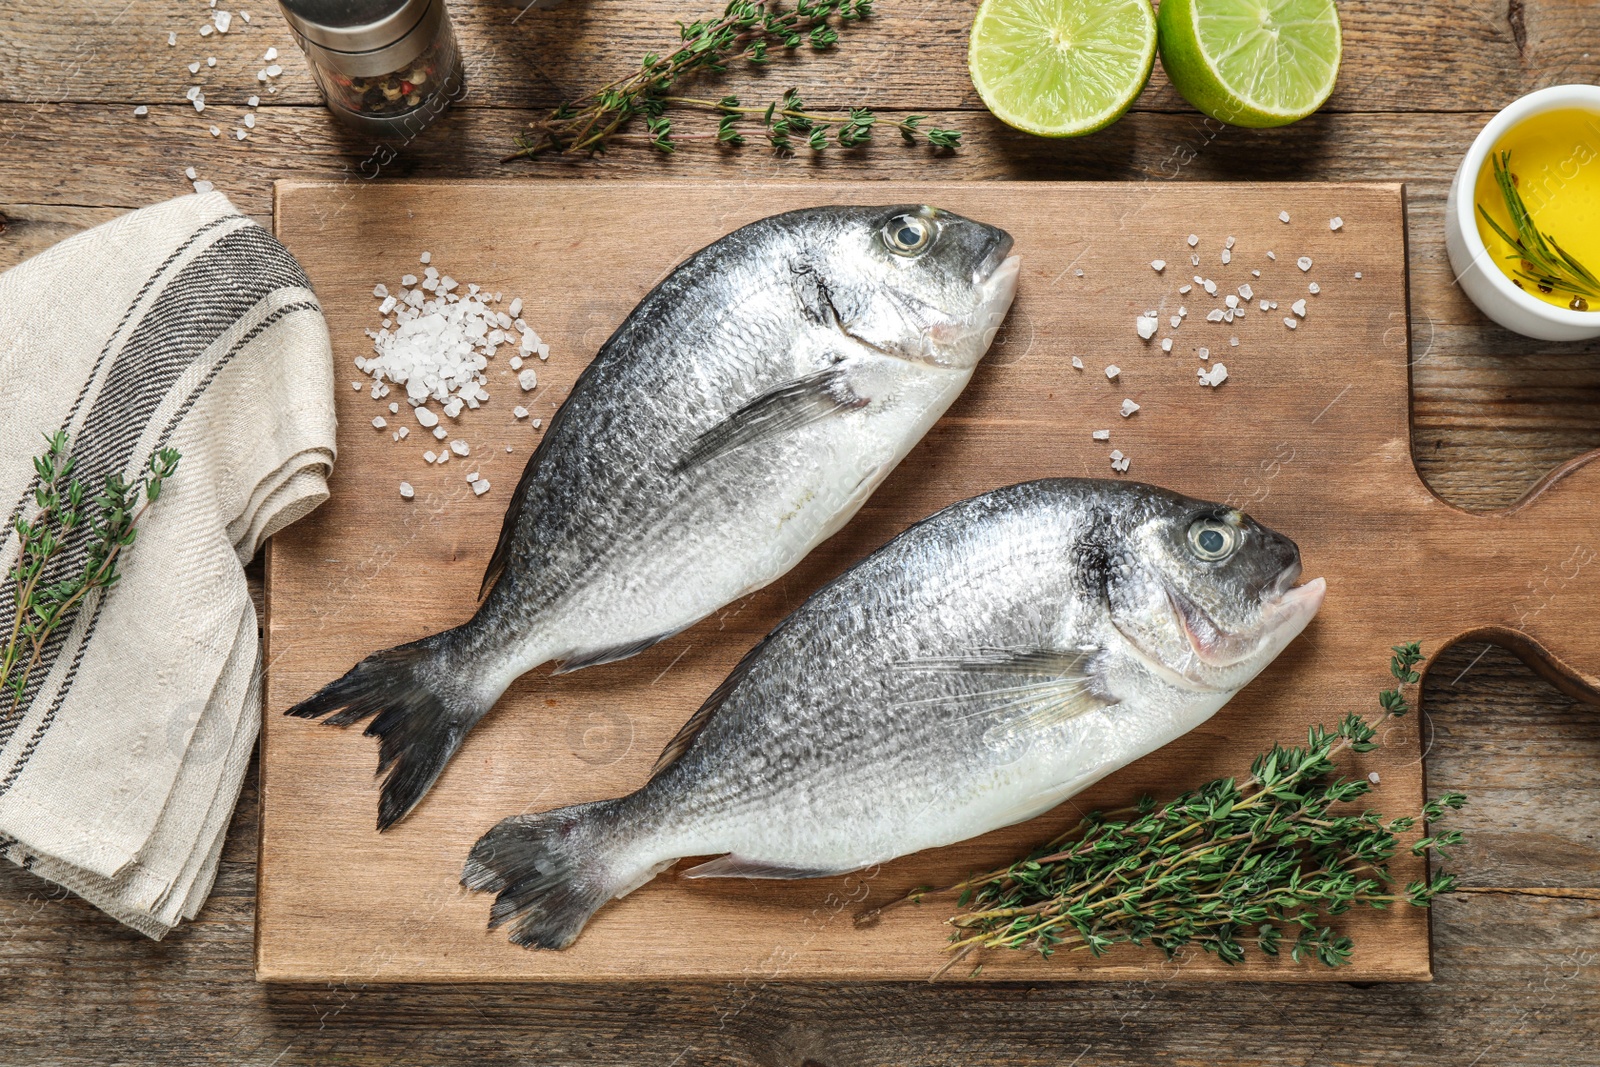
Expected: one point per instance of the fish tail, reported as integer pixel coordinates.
(419, 723)
(552, 871)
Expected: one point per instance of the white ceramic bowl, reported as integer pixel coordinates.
(1475, 269)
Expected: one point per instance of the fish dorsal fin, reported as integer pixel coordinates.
(1023, 689)
(690, 730)
(781, 410)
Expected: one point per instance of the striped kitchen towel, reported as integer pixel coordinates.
(184, 325)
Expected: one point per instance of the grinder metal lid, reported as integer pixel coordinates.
(354, 25)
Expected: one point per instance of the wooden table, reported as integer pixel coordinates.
(1517, 955)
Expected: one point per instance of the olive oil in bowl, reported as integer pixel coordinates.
(1553, 160)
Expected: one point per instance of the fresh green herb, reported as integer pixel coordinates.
(748, 30)
(1540, 258)
(1227, 865)
(108, 523)
(781, 118)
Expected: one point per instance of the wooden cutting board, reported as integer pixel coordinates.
(1310, 433)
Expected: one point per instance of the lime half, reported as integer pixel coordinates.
(1061, 68)
(1252, 62)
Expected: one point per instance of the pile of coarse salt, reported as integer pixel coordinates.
(435, 342)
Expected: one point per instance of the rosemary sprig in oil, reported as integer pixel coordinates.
(749, 31)
(108, 520)
(1221, 867)
(1540, 259)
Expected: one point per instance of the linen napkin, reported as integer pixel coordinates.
(183, 325)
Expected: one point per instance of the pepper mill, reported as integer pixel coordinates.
(385, 67)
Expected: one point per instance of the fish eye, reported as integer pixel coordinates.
(906, 235)
(1212, 539)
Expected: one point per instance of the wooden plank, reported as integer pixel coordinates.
(77, 990)
(1029, 416)
(906, 56)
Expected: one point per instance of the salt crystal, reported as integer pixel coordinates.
(1299, 307)
(1147, 325)
(192, 92)
(1283, 216)
(472, 477)
(1194, 239)
(353, 385)
(403, 433)
(1373, 778)
(1194, 260)
(440, 433)
(261, 75)
(519, 412)
(426, 418)
(1101, 435)
(406, 492)
(211, 61)
(1204, 353)
(1231, 300)
(428, 456)
(1211, 287)
(1214, 315)
(200, 105)
(1291, 322)
(1227, 257)
(1079, 272)
(206, 30)
(1183, 312)
(1315, 288)
(515, 362)
(1113, 370)
(394, 409)
(141, 110)
(240, 134)
(223, 20)
(1272, 256)
(508, 449)
(480, 487)
(444, 457)
(1358, 276)
(270, 54)
(1214, 377)
(459, 448)
(1336, 223)
(1185, 289)
(408, 280)
(1158, 265)
(250, 121)
(1228, 243)
(1233, 342)
(1116, 454)
(379, 422)
(194, 68)
(1255, 274)
(1128, 408)
(1077, 363)
(274, 70)
(245, 15)
(1176, 320)
(172, 39)
(515, 310)
(1166, 344)
(216, 131)
(203, 186)
(1304, 263)
(527, 379)
(426, 257)
(254, 101)
(1246, 293)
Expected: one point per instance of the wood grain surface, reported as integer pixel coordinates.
(1517, 962)
(1309, 433)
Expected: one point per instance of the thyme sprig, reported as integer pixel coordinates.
(109, 520)
(1539, 257)
(748, 31)
(1229, 864)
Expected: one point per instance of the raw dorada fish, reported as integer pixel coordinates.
(740, 415)
(974, 672)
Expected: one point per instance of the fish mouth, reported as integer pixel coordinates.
(1285, 608)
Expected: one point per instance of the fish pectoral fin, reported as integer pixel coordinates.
(731, 866)
(779, 411)
(1022, 689)
(593, 657)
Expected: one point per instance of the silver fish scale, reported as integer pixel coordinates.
(831, 711)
